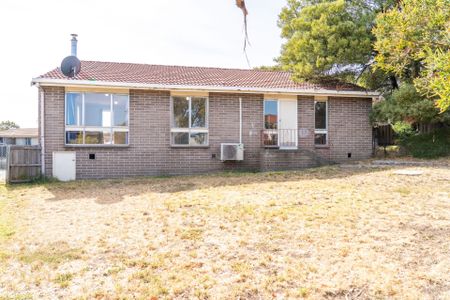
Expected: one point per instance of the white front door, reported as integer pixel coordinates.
(64, 165)
(287, 124)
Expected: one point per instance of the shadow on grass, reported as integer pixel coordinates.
(109, 191)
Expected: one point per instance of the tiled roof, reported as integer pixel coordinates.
(19, 133)
(192, 76)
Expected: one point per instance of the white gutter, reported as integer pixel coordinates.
(42, 129)
(307, 92)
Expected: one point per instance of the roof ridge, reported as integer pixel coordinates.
(185, 66)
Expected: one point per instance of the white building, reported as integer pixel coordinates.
(20, 136)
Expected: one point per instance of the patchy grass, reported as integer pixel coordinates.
(7, 229)
(327, 233)
(53, 254)
(63, 280)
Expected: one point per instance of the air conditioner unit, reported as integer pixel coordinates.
(230, 151)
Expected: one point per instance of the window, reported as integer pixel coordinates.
(321, 123)
(189, 121)
(270, 114)
(28, 141)
(270, 134)
(96, 119)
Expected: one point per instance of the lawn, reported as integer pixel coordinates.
(326, 233)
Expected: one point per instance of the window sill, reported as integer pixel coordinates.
(322, 146)
(96, 146)
(189, 147)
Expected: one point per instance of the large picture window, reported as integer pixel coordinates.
(189, 121)
(321, 123)
(96, 119)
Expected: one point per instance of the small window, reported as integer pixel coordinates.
(270, 114)
(96, 119)
(189, 121)
(321, 123)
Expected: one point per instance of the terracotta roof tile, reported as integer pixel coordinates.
(192, 76)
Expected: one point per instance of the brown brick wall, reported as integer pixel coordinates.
(349, 129)
(150, 153)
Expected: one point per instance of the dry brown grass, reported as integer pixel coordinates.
(345, 233)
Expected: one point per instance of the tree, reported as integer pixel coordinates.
(407, 105)
(5, 125)
(413, 42)
(325, 37)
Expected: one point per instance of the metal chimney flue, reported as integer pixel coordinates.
(74, 42)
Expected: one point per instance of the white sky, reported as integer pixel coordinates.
(35, 37)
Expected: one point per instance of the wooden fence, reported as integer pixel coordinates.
(23, 163)
(384, 135)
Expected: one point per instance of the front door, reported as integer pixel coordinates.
(287, 124)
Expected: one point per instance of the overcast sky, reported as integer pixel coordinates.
(35, 37)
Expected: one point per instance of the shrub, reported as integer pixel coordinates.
(431, 145)
(403, 130)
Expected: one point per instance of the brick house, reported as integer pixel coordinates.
(19, 136)
(119, 119)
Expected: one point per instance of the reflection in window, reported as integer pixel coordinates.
(181, 112)
(74, 137)
(97, 119)
(97, 137)
(120, 138)
(120, 108)
(189, 121)
(270, 114)
(321, 123)
(97, 110)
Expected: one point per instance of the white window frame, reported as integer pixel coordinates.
(83, 128)
(321, 131)
(189, 130)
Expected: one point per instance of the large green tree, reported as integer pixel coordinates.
(413, 42)
(326, 38)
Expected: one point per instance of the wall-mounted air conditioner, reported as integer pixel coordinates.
(229, 151)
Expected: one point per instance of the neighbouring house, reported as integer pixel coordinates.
(123, 119)
(19, 136)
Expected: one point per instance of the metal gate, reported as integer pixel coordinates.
(3, 151)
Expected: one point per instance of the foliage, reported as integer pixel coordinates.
(328, 37)
(431, 145)
(413, 42)
(407, 104)
(269, 68)
(436, 79)
(5, 125)
(403, 130)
